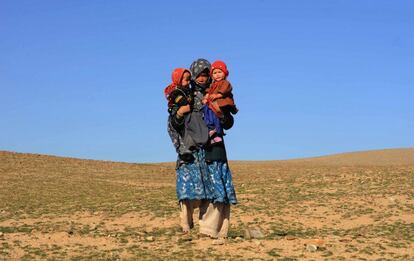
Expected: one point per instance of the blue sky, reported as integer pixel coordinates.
(85, 78)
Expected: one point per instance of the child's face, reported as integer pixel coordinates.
(218, 75)
(185, 81)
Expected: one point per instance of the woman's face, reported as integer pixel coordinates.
(185, 81)
(202, 78)
(218, 75)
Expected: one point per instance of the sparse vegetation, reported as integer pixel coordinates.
(354, 206)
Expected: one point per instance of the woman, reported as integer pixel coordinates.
(219, 189)
(203, 180)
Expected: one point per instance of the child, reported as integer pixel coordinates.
(219, 100)
(179, 95)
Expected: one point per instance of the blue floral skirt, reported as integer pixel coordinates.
(199, 180)
(219, 183)
(190, 178)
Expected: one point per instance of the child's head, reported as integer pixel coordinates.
(180, 79)
(219, 71)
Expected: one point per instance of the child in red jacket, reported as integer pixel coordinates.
(219, 99)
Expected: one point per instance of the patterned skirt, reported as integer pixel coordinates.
(219, 183)
(189, 183)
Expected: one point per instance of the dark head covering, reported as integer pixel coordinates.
(198, 66)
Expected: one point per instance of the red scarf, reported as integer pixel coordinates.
(176, 76)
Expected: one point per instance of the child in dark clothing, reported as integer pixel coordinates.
(179, 98)
(178, 93)
(219, 101)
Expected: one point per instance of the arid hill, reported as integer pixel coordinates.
(341, 207)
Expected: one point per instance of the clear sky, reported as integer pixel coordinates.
(85, 78)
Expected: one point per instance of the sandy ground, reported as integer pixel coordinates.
(357, 206)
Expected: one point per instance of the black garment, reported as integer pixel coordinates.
(216, 152)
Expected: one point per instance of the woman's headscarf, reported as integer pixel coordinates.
(199, 66)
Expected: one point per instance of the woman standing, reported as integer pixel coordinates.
(218, 183)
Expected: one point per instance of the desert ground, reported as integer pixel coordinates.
(352, 206)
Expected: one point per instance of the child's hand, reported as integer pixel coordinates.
(216, 96)
(183, 110)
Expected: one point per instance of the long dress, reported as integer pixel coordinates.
(218, 182)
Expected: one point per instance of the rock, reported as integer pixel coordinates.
(247, 234)
(316, 242)
(253, 233)
(219, 241)
(238, 239)
(150, 239)
(311, 248)
(1, 234)
(290, 238)
(345, 240)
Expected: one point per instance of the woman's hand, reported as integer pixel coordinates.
(183, 110)
(205, 98)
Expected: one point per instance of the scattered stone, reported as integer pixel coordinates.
(290, 237)
(1, 234)
(150, 239)
(345, 240)
(219, 241)
(271, 231)
(250, 233)
(317, 242)
(168, 233)
(242, 185)
(311, 248)
(238, 239)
